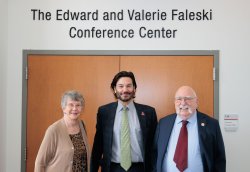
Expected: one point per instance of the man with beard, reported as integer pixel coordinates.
(188, 140)
(118, 151)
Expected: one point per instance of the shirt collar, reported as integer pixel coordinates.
(130, 106)
(191, 120)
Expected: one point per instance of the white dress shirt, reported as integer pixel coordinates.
(194, 156)
(135, 134)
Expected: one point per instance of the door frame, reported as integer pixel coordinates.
(26, 53)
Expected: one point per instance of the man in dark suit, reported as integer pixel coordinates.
(205, 147)
(132, 154)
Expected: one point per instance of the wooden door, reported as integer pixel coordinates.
(157, 78)
(49, 77)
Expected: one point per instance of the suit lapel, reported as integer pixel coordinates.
(112, 112)
(110, 123)
(141, 115)
(202, 127)
(202, 124)
(142, 119)
(167, 132)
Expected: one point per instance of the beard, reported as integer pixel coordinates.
(126, 96)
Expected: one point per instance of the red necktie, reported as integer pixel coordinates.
(180, 156)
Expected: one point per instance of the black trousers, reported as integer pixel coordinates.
(135, 167)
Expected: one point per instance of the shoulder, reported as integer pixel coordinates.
(56, 126)
(205, 116)
(146, 109)
(108, 106)
(143, 106)
(202, 117)
(167, 118)
(53, 131)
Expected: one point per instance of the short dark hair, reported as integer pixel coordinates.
(120, 75)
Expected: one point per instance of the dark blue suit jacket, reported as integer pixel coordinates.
(210, 139)
(102, 147)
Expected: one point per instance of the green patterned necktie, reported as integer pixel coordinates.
(125, 141)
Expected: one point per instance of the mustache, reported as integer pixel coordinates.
(131, 94)
(183, 107)
(127, 93)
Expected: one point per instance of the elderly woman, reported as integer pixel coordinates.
(65, 147)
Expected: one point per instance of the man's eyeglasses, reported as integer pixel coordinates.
(186, 99)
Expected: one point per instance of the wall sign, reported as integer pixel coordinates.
(231, 122)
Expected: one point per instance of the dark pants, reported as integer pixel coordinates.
(135, 167)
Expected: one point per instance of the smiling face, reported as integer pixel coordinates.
(73, 109)
(124, 89)
(186, 102)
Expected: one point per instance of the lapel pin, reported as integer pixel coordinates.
(142, 113)
(202, 124)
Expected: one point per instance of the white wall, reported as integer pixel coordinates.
(3, 57)
(228, 32)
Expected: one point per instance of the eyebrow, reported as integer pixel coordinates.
(125, 84)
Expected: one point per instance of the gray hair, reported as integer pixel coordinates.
(73, 95)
